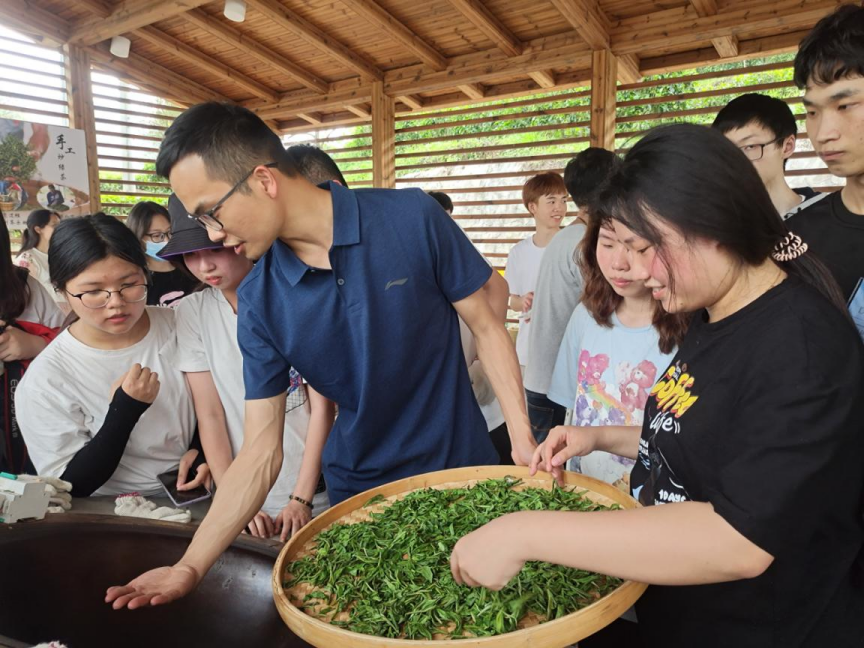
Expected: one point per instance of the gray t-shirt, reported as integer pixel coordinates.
(558, 289)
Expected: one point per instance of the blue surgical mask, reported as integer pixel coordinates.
(153, 249)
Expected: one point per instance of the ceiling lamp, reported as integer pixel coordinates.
(120, 46)
(235, 10)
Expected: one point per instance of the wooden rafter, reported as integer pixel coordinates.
(173, 85)
(673, 29)
(544, 79)
(248, 45)
(97, 7)
(30, 19)
(313, 118)
(292, 103)
(488, 23)
(412, 101)
(375, 14)
(183, 51)
(127, 16)
(473, 90)
(705, 7)
(726, 46)
(361, 110)
(587, 19)
(296, 24)
(628, 69)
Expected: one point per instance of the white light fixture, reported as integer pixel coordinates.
(235, 10)
(120, 46)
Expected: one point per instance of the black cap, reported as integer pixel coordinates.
(186, 234)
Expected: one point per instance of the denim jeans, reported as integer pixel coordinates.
(543, 414)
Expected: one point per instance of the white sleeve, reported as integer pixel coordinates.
(185, 349)
(513, 271)
(41, 307)
(52, 424)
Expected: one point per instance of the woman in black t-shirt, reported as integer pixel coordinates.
(151, 223)
(752, 439)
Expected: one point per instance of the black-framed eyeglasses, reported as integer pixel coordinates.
(208, 218)
(755, 152)
(99, 298)
(158, 237)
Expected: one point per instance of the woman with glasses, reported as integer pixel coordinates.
(151, 223)
(749, 460)
(100, 408)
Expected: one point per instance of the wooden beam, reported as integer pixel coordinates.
(544, 79)
(302, 28)
(383, 138)
(726, 46)
(473, 90)
(97, 7)
(604, 75)
(171, 84)
(628, 69)
(375, 14)
(681, 28)
(414, 102)
(488, 23)
(292, 103)
(705, 7)
(79, 94)
(26, 17)
(127, 16)
(361, 110)
(189, 54)
(248, 45)
(587, 19)
(313, 118)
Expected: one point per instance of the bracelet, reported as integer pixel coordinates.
(302, 501)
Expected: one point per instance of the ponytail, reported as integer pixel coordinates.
(37, 218)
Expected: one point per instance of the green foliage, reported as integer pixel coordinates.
(16, 159)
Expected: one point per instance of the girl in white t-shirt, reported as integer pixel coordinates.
(99, 408)
(33, 254)
(206, 349)
(29, 320)
(618, 342)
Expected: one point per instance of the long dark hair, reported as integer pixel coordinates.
(601, 300)
(141, 216)
(697, 181)
(78, 243)
(14, 293)
(37, 218)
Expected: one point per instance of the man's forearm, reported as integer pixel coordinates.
(243, 490)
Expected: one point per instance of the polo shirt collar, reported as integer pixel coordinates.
(346, 231)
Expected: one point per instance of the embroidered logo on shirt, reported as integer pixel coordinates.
(395, 282)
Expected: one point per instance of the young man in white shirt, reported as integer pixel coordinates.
(545, 197)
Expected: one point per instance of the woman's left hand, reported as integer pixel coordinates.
(291, 519)
(202, 477)
(489, 556)
(15, 344)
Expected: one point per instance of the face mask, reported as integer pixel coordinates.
(153, 248)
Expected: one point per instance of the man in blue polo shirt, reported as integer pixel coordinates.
(357, 290)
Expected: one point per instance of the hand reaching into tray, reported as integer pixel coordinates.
(155, 587)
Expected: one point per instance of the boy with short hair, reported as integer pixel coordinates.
(830, 68)
(545, 197)
(765, 130)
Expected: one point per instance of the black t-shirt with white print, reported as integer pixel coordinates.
(762, 415)
(836, 236)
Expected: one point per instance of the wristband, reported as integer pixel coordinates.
(302, 501)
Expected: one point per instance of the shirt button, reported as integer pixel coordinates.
(340, 281)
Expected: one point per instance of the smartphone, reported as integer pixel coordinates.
(181, 498)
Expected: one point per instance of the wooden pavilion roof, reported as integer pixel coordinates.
(310, 62)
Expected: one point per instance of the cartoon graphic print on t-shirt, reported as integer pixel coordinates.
(670, 399)
(598, 402)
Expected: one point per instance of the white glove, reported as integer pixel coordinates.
(59, 485)
(134, 505)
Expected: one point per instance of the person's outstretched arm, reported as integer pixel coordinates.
(241, 495)
(498, 356)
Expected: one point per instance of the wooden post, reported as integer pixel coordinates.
(604, 74)
(79, 94)
(383, 138)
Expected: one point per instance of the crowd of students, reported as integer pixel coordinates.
(690, 337)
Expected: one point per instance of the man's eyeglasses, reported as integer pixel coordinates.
(208, 218)
(755, 152)
(158, 237)
(100, 298)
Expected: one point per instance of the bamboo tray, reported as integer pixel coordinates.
(551, 634)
